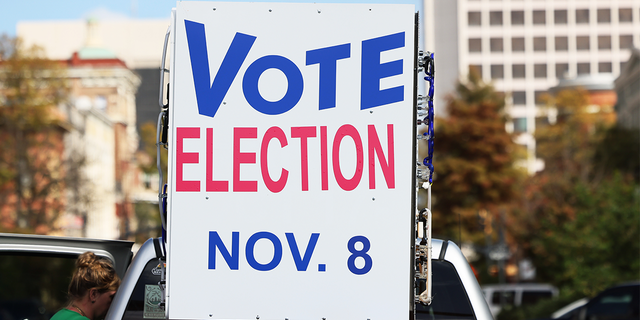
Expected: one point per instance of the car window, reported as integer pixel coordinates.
(450, 300)
(509, 297)
(34, 287)
(143, 303)
(532, 297)
(618, 302)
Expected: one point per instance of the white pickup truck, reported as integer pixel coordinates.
(341, 72)
(35, 272)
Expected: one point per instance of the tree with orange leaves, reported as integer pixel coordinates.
(474, 161)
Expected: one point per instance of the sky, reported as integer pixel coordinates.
(41, 10)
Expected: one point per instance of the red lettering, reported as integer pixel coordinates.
(388, 168)
(243, 157)
(185, 157)
(273, 186)
(344, 183)
(384, 156)
(324, 158)
(213, 185)
(304, 133)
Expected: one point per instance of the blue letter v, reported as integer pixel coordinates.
(209, 97)
(302, 262)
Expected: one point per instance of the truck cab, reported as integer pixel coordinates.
(36, 270)
(31, 265)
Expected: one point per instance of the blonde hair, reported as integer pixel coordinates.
(92, 272)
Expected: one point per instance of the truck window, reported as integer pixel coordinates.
(143, 303)
(450, 300)
(532, 297)
(509, 297)
(34, 286)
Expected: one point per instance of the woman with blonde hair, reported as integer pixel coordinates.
(92, 287)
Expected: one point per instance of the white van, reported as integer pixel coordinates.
(516, 294)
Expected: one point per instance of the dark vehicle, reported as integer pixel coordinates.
(621, 302)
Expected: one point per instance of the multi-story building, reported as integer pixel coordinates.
(524, 47)
(102, 114)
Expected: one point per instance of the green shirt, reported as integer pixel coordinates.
(66, 314)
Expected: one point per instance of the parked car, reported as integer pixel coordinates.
(569, 310)
(515, 295)
(620, 302)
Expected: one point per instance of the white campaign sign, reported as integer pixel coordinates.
(291, 154)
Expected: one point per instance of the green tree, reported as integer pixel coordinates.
(474, 160)
(580, 220)
(34, 175)
(148, 138)
(619, 151)
(147, 214)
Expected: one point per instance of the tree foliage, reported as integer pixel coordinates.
(474, 160)
(580, 218)
(148, 137)
(34, 174)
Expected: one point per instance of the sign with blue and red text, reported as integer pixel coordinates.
(291, 155)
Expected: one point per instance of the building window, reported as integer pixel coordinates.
(517, 44)
(519, 125)
(582, 16)
(475, 45)
(562, 43)
(604, 15)
(497, 71)
(560, 16)
(539, 70)
(496, 44)
(584, 68)
(519, 98)
(625, 15)
(100, 102)
(604, 67)
(540, 97)
(518, 71)
(476, 68)
(582, 43)
(539, 43)
(626, 41)
(604, 42)
(474, 18)
(495, 18)
(561, 70)
(517, 17)
(539, 17)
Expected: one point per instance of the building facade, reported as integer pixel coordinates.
(102, 111)
(525, 47)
